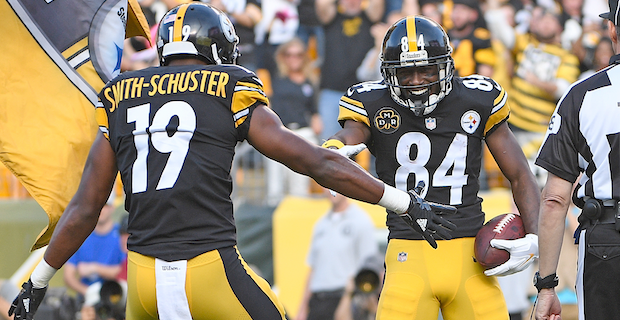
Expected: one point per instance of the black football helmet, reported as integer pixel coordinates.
(412, 42)
(197, 29)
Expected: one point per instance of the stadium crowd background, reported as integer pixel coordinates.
(263, 26)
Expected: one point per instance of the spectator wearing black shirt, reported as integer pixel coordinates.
(293, 99)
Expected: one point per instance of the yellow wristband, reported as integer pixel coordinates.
(333, 144)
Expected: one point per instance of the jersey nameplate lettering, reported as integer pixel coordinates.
(204, 81)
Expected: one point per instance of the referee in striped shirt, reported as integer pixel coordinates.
(583, 144)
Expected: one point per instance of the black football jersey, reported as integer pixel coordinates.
(583, 137)
(174, 130)
(443, 148)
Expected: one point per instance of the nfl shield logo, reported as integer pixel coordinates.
(402, 257)
(431, 123)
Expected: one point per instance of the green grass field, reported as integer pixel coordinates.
(21, 221)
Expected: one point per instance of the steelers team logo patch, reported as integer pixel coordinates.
(470, 121)
(387, 120)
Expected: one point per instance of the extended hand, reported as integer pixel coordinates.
(523, 252)
(27, 302)
(351, 150)
(424, 217)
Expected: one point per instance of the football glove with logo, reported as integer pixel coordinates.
(424, 217)
(523, 252)
(27, 302)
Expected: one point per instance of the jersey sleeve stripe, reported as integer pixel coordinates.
(352, 110)
(246, 95)
(346, 114)
(102, 120)
(499, 101)
(240, 117)
(497, 117)
(353, 105)
(249, 86)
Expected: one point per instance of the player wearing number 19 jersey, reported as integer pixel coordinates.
(424, 124)
(174, 131)
(169, 129)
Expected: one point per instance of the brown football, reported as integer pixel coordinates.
(508, 226)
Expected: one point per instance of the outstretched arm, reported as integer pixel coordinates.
(336, 172)
(327, 167)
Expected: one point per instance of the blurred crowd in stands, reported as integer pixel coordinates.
(534, 48)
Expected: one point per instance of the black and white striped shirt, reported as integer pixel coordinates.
(584, 136)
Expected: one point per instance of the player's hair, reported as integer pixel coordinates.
(281, 52)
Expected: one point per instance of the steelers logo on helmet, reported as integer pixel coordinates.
(387, 120)
(199, 30)
(416, 64)
(228, 29)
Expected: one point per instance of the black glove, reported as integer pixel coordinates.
(423, 217)
(27, 302)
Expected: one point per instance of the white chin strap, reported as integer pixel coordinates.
(214, 53)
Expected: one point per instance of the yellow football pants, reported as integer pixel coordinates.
(420, 280)
(219, 285)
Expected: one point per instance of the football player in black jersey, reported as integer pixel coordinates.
(425, 125)
(171, 131)
(581, 153)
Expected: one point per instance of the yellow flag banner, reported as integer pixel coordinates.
(56, 55)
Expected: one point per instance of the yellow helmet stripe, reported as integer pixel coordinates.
(178, 23)
(411, 35)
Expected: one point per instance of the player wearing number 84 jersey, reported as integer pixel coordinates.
(424, 124)
(442, 148)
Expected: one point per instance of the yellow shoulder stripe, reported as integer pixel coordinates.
(500, 97)
(497, 117)
(350, 109)
(242, 100)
